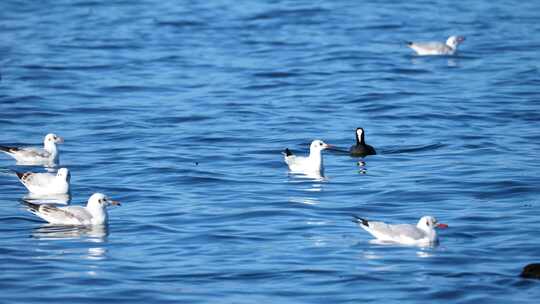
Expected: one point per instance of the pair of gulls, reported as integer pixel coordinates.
(423, 233)
(43, 184)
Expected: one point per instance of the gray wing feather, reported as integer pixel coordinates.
(38, 179)
(64, 215)
(34, 152)
(383, 230)
(431, 47)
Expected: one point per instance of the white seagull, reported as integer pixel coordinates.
(46, 183)
(437, 48)
(422, 234)
(95, 212)
(312, 164)
(48, 155)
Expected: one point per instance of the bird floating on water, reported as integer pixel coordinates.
(95, 212)
(361, 148)
(423, 233)
(437, 48)
(46, 183)
(312, 164)
(33, 156)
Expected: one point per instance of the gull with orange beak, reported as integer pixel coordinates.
(95, 212)
(422, 234)
(312, 164)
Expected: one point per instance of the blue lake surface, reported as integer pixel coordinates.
(180, 109)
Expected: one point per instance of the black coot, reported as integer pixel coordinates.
(361, 148)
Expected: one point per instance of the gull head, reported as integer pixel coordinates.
(101, 201)
(53, 138)
(318, 145)
(64, 174)
(454, 41)
(427, 223)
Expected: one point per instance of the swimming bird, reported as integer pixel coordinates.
(46, 183)
(361, 148)
(531, 271)
(312, 164)
(437, 48)
(48, 155)
(421, 234)
(95, 212)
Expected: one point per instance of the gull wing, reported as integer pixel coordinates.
(430, 47)
(33, 153)
(71, 215)
(36, 179)
(397, 233)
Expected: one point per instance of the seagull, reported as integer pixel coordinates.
(48, 155)
(421, 234)
(312, 164)
(95, 212)
(361, 148)
(46, 183)
(437, 48)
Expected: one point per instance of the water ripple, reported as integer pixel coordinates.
(181, 112)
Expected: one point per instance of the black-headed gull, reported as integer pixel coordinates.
(48, 155)
(95, 212)
(46, 183)
(361, 148)
(437, 48)
(312, 164)
(420, 234)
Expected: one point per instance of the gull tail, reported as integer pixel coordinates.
(8, 150)
(287, 152)
(34, 208)
(359, 220)
(5, 149)
(20, 175)
(409, 43)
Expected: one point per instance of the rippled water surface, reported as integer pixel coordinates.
(180, 110)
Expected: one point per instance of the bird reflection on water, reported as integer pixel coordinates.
(59, 199)
(95, 233)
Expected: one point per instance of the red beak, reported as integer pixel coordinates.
(442, 226)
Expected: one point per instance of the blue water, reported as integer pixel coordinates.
(180, 111)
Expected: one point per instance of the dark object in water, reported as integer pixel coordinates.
(531, 271)
(361, 148)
